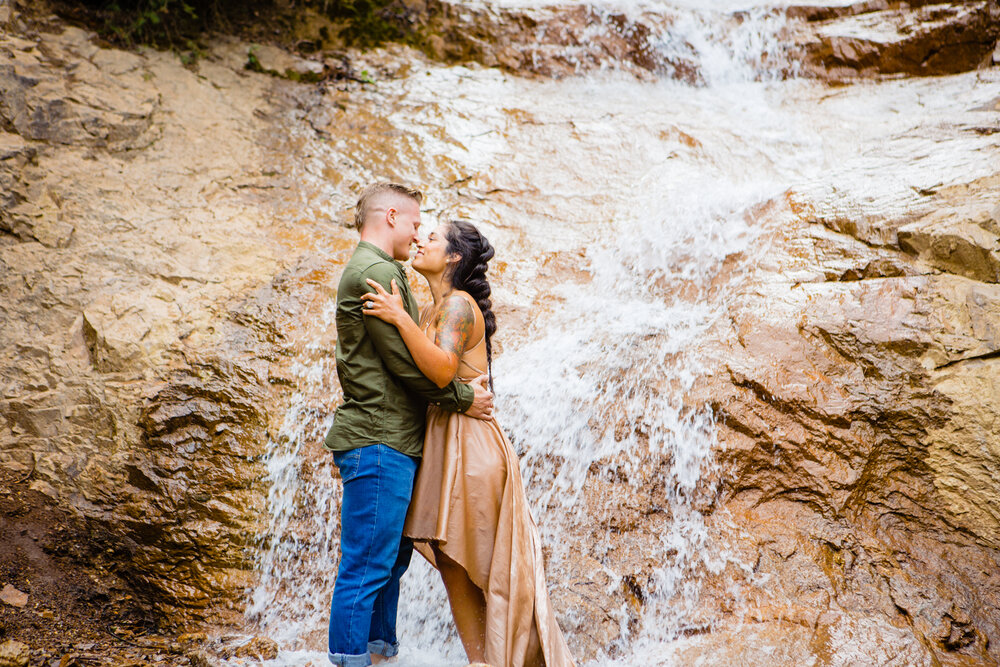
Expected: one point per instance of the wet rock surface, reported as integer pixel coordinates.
(843, 42)
(139, 307)
(962, 241)
(553, 42)
(853, 410)
(157, 292)
(918, 39)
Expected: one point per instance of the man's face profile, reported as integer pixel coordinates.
(406, 217)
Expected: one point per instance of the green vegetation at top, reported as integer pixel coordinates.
(181, 24)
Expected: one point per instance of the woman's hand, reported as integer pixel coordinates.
(383, 305)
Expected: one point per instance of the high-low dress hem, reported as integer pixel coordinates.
(469, 502)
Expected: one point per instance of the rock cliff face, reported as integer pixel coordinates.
(842, 42)
(138, 268)
(919, 39)
(857, 399)
(168, 240)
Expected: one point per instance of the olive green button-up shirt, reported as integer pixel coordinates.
(385, 394)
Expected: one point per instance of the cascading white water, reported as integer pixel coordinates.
(301, 538)
(599, 358)
(643, 195)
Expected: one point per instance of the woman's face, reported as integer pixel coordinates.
(432, 252)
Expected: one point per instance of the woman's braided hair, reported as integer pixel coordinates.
(469, 274)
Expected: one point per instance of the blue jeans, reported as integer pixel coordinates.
(378, 483)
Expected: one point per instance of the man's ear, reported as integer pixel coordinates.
(390, 216)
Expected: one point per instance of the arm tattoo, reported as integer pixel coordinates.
(455, 324)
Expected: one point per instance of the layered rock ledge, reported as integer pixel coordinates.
(857, 404)
(138, 271)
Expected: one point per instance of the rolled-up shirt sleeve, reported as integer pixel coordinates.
(455, 397)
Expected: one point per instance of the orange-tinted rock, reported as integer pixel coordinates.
(553, 41)
(871, 39)
(14, 654)
(258, 648)
(135, 367)
(965, 241)
(105, 103)
(156, 295)
(12, 596)
(856, 427)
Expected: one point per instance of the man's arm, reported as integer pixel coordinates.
(455, 397)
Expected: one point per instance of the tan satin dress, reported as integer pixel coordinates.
(469, 501)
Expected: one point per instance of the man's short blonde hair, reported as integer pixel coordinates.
(373, 192)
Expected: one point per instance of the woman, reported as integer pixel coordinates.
(469, 516)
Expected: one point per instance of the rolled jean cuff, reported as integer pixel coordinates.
(348, 660)
(383, 648)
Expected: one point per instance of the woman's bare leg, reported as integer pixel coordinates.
(468, 606)
(533, 655)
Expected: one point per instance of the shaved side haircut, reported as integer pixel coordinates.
(375, 193)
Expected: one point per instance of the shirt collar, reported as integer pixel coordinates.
(378, 251)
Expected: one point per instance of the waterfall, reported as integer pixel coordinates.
(593, 389)
(299, 550)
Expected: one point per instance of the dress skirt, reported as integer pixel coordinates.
(469, 502)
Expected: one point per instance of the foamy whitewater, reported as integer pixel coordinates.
(643, 197)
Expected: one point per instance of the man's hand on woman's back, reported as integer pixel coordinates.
(482, 402)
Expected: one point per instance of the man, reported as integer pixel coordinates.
(378, 432)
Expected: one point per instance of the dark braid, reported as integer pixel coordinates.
(469, 275)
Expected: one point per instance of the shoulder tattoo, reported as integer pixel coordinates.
(455, 323)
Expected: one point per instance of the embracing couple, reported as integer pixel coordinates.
(418, 390)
